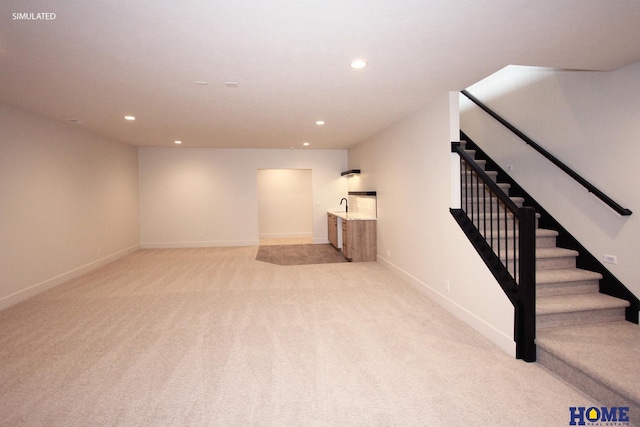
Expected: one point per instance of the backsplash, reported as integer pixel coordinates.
(364, 204)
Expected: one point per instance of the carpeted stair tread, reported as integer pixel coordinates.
(575, 303)
(566, 275)
(542, 253)
(545, 232)
(607, 352)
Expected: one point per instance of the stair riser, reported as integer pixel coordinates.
(555, 263)
(478, 192)
(546, 242)
(546, 321)
(541, 242)
(470, 176)
(543, 263)
(473, 184)
(481, 205)
(489, 224)
(567, 288)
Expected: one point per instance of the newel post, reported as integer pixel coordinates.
(525, 322)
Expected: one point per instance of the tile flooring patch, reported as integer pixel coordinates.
(299, 254)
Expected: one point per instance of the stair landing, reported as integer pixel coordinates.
(599, 359)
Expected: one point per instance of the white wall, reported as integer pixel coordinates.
(590, 121)
(208, 197)
(409, 166)
(68, 203)
(285, 203)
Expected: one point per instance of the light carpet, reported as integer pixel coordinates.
(212, 337)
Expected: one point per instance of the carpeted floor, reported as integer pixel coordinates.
(299, 254)
(212, 337)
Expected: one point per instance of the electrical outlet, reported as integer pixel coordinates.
(610, 259)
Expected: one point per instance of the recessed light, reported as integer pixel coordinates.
(130, 118)
(306, 144)
(320, 122)
(201, 83)
(231, 84)
(177, 142)
(358, 63)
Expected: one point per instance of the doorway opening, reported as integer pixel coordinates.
(285, 206)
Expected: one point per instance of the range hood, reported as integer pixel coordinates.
(350, 172)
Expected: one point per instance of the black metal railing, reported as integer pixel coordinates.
(586, 184)
(506, 243)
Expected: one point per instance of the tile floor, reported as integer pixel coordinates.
(299, 254)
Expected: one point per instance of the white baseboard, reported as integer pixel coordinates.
(31, 291)
(506, 343)
(303, 235)
(199, 244)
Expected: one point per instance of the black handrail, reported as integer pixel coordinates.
(586, 184)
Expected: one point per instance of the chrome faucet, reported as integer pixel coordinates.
(346, 204)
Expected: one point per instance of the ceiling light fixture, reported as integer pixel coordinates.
(75, 121)
(201, 83)
(320, 122)
(358, 64)
(306, 144)
(231, 84)
(130, 118)
(177, 142)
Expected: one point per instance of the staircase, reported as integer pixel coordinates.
(581, 334)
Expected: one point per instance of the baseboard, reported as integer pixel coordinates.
(34, 290)
(199, 244)
(321, 241)
(506, 343)
(304, 235)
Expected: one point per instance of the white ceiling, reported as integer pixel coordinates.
(102, 59)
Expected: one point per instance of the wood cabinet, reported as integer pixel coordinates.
(358, 237)
(332, 222)
(359, 240)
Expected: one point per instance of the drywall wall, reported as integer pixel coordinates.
(285, 203)
(590, 121)
(68, 202)
(409, 165)
(191, 197)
